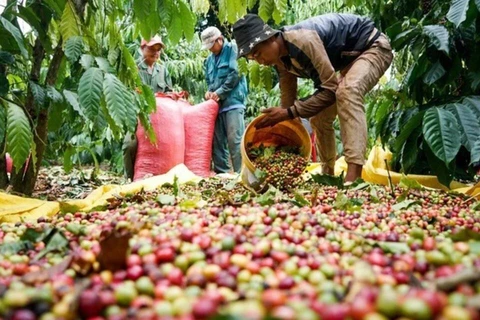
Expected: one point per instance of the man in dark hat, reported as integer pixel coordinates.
(229, 89)
(316, 49)
(154, 75)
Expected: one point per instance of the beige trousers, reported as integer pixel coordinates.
(355, 81)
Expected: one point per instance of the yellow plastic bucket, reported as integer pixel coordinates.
(285, 133)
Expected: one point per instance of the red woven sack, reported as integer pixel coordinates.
(199, 123)
(169, 151)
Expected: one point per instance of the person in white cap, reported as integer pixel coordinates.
(154, 75)
(229, 89)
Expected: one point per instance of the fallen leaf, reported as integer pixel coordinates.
(113, 251)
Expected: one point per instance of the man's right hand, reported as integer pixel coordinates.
(208, 95)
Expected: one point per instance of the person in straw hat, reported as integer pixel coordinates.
(316, 49)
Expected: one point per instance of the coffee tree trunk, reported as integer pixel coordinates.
(24, 181)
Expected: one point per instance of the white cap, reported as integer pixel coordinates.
(209, 36)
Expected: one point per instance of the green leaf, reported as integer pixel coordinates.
(6, 58)
(458, 12)
(55, 241)
(438, 167)
(104, 65)
(188, 204)
(166, 10)
(189, 20)
(266, 77)
(33, 236)
(474, 103)
(476, 206)
(19, 135)
(374, 195)
(113, 54)
(67, 159)
(69, 23)
(54, 95)
(33, 19)
(72, 99)
(359, 184)
(56, 5)
(435, 73)
(142, 9)
(300, 200)
(341, 201)
(254, 74)
(393, 247)
(149, 97)
(475, 153)
(90, 91)
(86, 61)
(176, 26)
(222, 10)
(268, 152)
(474, 78)
(245, 197)
(200, 6)
(243, 66)
(251, 4)
(3, 123)
(440, 130)
(404, 38)
(119, 102)
(439, 37)
(409, 184)
(16, 34)
(55, 117)
(269, 197)
(469, 123)
(265, 9)
(166, 199)
(176, 187)
(260, 174)
(409, 151)
(230, 185)
(76, 229)
(413, 123)
(405, 204)
(13, 247)
(280, 9)
(38, 93)
(328, 180)
(74, 48)
(4, 84)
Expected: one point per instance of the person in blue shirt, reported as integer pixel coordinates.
(229, 89)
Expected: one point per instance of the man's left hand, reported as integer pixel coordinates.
(215, 96)
(272, 117)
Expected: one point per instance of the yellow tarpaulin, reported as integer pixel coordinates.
(14, 208)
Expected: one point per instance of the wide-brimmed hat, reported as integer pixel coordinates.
(250, 31)
(209, 36)
(152, 42)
